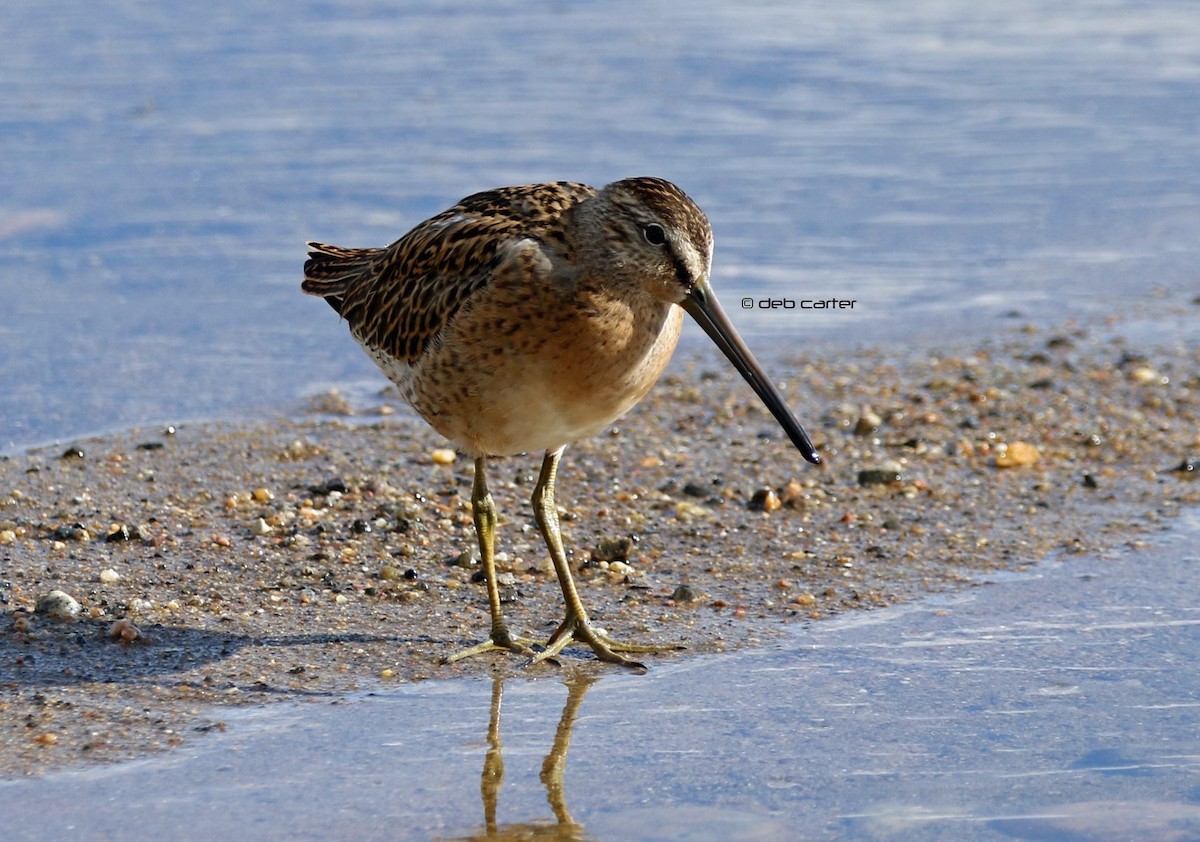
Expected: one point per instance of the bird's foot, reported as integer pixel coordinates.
(500, 639)
(577, 630)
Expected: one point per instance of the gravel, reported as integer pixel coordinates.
(229, 564)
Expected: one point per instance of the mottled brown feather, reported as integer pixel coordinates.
(399, 299)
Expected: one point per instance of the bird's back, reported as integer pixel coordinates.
(397, 300)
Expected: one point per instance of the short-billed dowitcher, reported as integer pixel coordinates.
(527, 317)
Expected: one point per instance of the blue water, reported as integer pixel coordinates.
(949, 166)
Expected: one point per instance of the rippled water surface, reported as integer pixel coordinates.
(942, 164)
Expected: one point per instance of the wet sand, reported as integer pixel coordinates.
(233, 564)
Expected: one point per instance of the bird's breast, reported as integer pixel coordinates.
(500, 382)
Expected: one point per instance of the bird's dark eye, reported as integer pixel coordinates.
(654, 234)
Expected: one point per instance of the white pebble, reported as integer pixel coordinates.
(58, 605)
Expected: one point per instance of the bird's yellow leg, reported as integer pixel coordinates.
(484, 512)
(575, 627)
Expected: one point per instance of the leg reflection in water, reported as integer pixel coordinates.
(564, 828)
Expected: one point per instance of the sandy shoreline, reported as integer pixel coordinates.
(296, 559)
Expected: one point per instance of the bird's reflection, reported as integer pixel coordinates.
(564, 827)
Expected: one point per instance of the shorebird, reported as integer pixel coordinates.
(525, 318)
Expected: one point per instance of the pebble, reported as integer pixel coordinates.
(109, 576)
(883, 474)
(123, 532)
(687, 512)
(7, 536)
(868, 422)
(1017, 454)
(329, 486)
(260, 528)
(612, 549)
(1146, 376)
(74, 532)
(792, 495)
(124, 631)
(57, 605)
(683, 593)
(765, 500)
(443, 456)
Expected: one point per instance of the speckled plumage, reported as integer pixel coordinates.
(526, 317)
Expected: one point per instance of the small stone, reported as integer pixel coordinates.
(868, 422)
(464, 560)
(765, 500)
(620, 569)
(387, 672)
(686, 512)
(57, 605)
(805, 600)
(299, 450)
(260, 527)
(109, 576)
(1017, 454)
(124, 631)
(73, 532)
(389, 573)
(683, 593)
(1187, 466)
(443, 456)
(7, 536)
(1089, 480)
(73, 453)
(792, 495)
(47, 739)
(612, 549)
(262, 495)
(119, 532)
(887, 472)
(1145, 375)
(333, 484)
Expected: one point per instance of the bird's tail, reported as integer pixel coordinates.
(330, 270)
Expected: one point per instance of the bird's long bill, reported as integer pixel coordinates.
(702, 305)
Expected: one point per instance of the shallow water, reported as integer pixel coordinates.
(1060, 703)
(942, 164)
